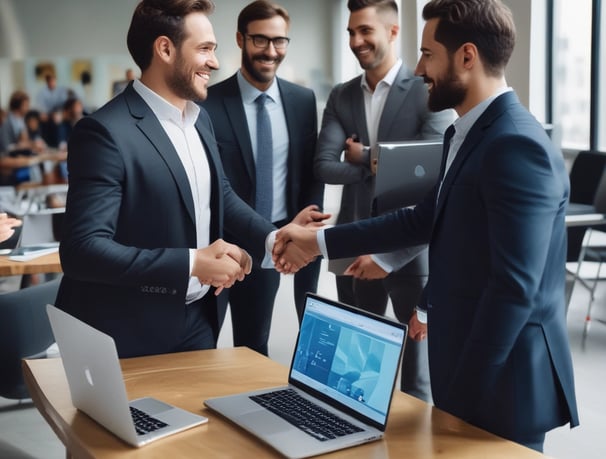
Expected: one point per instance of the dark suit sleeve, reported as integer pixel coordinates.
(93, 248)
(309, 189)
(328, 166)
(248, 229)
(395, 230)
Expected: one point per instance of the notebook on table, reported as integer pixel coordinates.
(341, 381)
(97, 388)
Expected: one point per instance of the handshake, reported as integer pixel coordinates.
(221, 264)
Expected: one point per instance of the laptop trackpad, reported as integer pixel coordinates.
(150, 406)
(265, 423)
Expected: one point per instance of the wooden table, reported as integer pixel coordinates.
(415, 429)
(45, 264)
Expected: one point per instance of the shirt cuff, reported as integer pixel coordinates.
(421, 315)
(383, 264)
(192, 257)
(268, 262)
(322, 243)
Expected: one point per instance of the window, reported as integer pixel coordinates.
(572, 72)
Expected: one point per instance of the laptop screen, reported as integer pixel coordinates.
(348, 355)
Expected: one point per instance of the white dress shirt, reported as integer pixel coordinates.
(279, 135)
(180, 129)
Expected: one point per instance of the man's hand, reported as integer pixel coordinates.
(311, 217)
(365, 268)
(295, 247)
(221, 264)
(7, 225)
(354, 152)
(417, 331)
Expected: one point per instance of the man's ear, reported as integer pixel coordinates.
(164, 48)
(240, 40)
(470, 55)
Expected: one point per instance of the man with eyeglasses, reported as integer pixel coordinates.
(269, 160)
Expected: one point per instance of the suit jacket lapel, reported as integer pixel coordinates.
(473, 138)
(235, 112)
(395, 102)
(153, 130)
(358, 109)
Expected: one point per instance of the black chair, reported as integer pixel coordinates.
(25, 332)
(587, 195)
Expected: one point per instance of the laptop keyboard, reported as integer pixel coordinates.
(305, 415)
(144, 423)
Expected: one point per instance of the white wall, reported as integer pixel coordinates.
(319, 55)
(94, 30)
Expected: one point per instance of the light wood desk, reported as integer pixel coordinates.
(415, 429)
(45, 264)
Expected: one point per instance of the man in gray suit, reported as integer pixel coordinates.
(386, 103)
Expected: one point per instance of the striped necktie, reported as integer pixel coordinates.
(264, 166)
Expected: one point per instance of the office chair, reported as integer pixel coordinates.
(587, 195)
(25, 332)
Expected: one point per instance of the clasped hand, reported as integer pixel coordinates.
(295, 245)
(221, 264)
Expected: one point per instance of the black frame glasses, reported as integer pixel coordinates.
(262, 41)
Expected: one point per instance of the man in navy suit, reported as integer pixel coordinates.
(262, 37)
(498, 348)
(148, 200)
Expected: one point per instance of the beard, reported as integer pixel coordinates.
(447, 92)
(379, 56)
(248, 62)
(180, 82)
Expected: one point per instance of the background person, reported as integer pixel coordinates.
(386, 103)
(263, 39)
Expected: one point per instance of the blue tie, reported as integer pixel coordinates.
(264, 167)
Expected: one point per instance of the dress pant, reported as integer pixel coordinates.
(404, 288)
(252, 303)
(198, 332)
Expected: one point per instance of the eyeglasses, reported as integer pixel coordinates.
(261, 41)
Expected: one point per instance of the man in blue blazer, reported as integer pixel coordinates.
(262, 37)
(498, 348)
(148, 200)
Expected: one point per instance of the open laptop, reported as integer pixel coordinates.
(97, 387)
(33, 238)
(345, 365)
(406, 171)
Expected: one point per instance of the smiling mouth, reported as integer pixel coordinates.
(360, 52)
(204, 76)
(267, 62)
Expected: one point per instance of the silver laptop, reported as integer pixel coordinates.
(340, 384)
(406, 171)
(97, 387)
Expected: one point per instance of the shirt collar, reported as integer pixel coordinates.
(464, 123)
(250, 93)
(388, 79)
(164, 110)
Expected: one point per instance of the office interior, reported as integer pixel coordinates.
(555, 70)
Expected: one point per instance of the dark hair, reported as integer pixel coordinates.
(17, 99)
(32, 114)
(70, 103)
(380, 5)
(488, 24)
(259, 10)
(154, 18)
